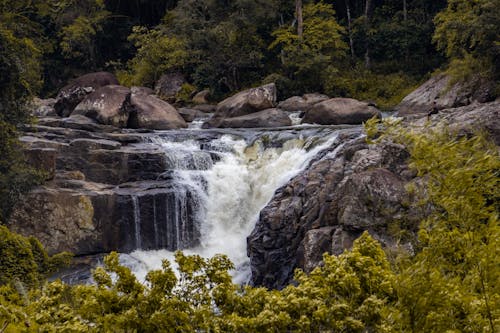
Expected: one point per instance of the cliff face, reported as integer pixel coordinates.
(360, 187)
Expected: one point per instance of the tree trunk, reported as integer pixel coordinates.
(349, 29)
(298, 17)
(368, 15)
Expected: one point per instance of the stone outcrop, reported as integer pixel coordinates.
(102, 184)
(440, 91)
(264, 118)
(43, 107)
(244, 103)
(330, 204)
(148, 111)
(358, 187)
(73, 93)
(108, 105)
(336, 111)
(301, 103)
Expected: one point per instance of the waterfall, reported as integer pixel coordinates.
(137, 221)
(225, 181)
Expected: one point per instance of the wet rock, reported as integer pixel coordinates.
(244, 103)
(73, 93)
(153, 113)
(338, 111)
(93, 144)
(265, 118)
(109, 105)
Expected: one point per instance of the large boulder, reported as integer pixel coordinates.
(336, 111)
(245, 102)
(148, 111)
(108, 105)
(202, 97)
(73, 93)
(264, 118)
(438, 92)
(169, 85)
(301, 103)
(354, 188)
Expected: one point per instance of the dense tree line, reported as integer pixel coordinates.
(337, 47)
(448, 283)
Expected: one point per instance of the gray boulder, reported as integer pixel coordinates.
(73, 93)
(438, 90)
(245, 102)
(108, 105)
(264, 118)
(301, 103)
(149, 111)
(141, 91)
(336, 111)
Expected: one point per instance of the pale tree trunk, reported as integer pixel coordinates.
(349, 29)
(298, 17)
(368, 15)
(405, 21)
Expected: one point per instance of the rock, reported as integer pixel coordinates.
(94, 144)
(326, 207)
(71, 220)
(264, 118)
(153, 113)
(191, 114)
(201, 97)
(206, 108)
(315, 243)
(169, 85)
(437, 89)
(371, 199)
(73, 93)
(338, 111)
(108, 105)
(43, 107)
(245, 102)
(141, 91)
(43, 159)
(297, 103)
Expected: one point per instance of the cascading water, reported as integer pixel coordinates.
(225, 180)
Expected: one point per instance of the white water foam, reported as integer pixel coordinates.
(232, 192)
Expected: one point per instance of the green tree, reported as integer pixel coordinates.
(314, 55)
(467, 32)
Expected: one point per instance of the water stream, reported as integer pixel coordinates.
(220, 183)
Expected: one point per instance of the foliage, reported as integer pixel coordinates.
(467, 32)
(306, 58)
(20, 79)
(385, 90)
(156, 54)
(24, 259)
(452, 282)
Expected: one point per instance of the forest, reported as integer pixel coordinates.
(373, 50)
